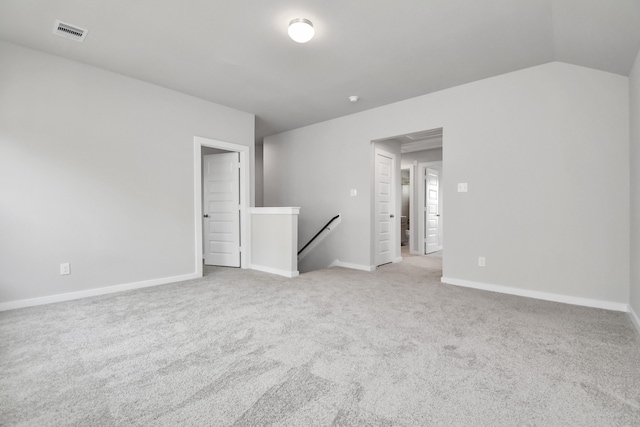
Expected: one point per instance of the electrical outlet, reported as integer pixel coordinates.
(65, 268)
(463, 187)
(481, 262)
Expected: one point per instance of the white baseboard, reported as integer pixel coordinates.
(586, 302)
(94, 292)
(285, 273)
(338, 263)
(634, 319)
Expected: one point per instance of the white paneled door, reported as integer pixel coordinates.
(384, 207)
(221, 209)
(432, 211)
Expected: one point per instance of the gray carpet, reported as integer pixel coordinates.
(332, 347)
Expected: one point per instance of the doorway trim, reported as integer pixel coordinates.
(245, 197)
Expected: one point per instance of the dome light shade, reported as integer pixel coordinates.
(301, 30)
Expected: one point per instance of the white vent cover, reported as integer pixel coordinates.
(70, 31)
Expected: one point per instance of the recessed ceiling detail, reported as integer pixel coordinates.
(425, 134)
(425, 144)
(417, 141)
(70, 31)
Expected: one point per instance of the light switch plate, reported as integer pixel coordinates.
(354, 192)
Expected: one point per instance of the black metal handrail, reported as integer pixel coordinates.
(318, 233)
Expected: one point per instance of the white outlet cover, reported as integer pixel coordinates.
(463, 187)
(65, 268)
(482, 262)
(354, 192)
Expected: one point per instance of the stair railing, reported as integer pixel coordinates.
(330, 225)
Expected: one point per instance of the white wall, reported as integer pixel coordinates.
(96, 169)
(544, 150)
(634, 97)
(274, 239)
(258, 176)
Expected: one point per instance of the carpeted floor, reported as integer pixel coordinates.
(331, 347)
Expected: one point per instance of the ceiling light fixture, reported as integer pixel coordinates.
(301, 30)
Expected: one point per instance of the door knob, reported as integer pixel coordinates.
(206, 215)
(392, 216)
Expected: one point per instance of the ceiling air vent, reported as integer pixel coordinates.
(69, 31)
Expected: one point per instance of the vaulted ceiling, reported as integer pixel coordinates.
(237, 52)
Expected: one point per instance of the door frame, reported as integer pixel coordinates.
(245, 198)
(421, 170)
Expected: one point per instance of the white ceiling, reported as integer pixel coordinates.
(237, 52)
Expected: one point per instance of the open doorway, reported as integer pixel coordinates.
(204, 147)
(420, 228)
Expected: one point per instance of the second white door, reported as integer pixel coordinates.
(221, 209)
(432, 211)
(385, 207)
